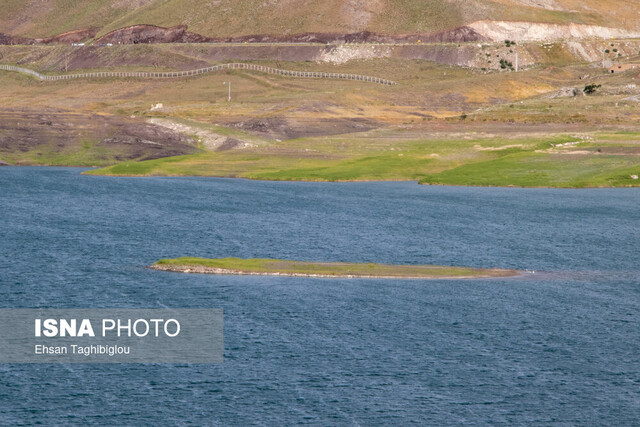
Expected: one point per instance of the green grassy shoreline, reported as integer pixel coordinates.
(598, 160)
(275, 267)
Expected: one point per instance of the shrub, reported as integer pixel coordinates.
(591, 88)
(505, 64)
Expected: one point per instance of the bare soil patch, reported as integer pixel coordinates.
(111, 137)
(284, 128)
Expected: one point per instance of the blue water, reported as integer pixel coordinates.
(560, 346)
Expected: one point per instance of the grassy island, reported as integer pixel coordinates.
(275, 267)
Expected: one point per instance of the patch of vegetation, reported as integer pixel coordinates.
(504, 64)
(591, 88)
(531, 169)
(88, 153)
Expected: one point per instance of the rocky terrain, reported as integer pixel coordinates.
(179, 34)
(151, 34)
(521, 31)
(41, 137)
(480, 31)
(75, 36)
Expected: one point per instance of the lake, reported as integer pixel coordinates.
(559, 345)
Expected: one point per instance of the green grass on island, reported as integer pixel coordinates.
(322, 269)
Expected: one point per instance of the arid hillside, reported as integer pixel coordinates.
(226, 18)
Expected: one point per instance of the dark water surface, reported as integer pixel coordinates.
(559, 346)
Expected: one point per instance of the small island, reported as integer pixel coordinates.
(275, 267)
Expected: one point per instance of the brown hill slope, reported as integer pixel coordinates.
(233, 18)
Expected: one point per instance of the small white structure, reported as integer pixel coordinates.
(620, 68)
(157, 107)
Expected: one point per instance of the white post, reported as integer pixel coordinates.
(516, 61)
(229, 84)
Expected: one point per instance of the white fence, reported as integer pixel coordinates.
(175, 74)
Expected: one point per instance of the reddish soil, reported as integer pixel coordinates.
(91, 57)
(8, 39)
(285, 128)
(179, 34)
(64, 38)
(70, 37)
(151, 34)
(143, 33)
(457, 35)
(189, 57)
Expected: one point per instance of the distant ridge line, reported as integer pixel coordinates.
(177, 74)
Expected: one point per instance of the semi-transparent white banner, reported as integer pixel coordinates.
(111, 336)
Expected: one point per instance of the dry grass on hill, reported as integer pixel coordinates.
(242, 17)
